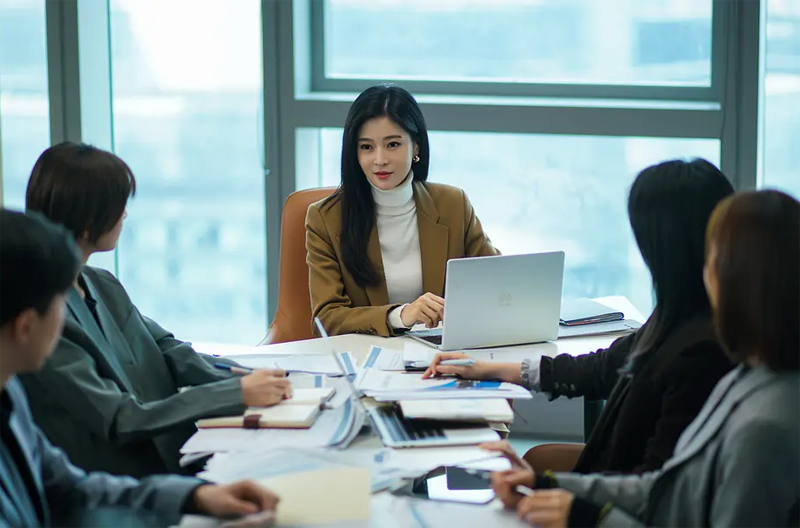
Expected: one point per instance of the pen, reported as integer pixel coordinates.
(411, 365)
(482, 473)
(235, 370)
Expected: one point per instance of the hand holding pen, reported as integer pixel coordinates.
(261, 387)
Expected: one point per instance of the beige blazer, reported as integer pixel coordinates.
(448, 228)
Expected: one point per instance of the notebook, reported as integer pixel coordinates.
(298, 412)
(576, 312)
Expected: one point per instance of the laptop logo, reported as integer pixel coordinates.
(504, 299)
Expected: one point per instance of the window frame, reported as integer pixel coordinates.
(319, 25)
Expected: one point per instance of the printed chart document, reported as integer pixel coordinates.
(396, 386)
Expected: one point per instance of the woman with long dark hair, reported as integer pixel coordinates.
(737, 463)
(656, 379)
(378, 246)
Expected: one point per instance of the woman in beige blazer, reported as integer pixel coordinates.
(378, 246)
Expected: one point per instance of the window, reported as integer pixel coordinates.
(187, 117)
(780, 157)
(541, 41)
(24, 117)
(547, 193)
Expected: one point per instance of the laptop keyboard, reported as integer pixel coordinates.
(435, 339)
(402, 429)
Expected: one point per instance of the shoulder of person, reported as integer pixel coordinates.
(443, 192)
(101, 278)
(327, 209)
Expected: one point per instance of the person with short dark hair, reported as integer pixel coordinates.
(120, 393)
(379, 245)
(738, 462)
(38, 485)
(656, 379)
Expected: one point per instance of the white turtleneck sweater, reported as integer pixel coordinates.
(398, 233)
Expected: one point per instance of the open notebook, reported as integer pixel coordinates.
(299, 412)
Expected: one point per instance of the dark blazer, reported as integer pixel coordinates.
(448, 228)
(110, 396)
(64, 494)
(645, 413)
(737, 464)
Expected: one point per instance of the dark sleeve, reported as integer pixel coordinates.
(685, 385)
(188, 368)
(592, 375)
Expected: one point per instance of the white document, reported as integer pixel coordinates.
(468, 409)
(311, 364)
(385, 359)
(395, 386)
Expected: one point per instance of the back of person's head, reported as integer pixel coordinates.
(753, 245)
(38, 261)
(669, 206)
(84, 188)
(358, 207)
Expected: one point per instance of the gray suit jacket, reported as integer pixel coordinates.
(109, 395)
(65, 493)
(737, 464)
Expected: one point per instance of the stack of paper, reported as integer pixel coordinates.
(395, 386)
(333, 428)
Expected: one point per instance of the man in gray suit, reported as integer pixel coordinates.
(120, 393)
(38, 484)
(738, 462)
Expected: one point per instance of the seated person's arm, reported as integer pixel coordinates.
(687, 383)
(71, 493)
(187, 366)
(71, 378)
(590, 375)
(329, 301)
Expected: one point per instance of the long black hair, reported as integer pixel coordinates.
(669, 206)
(355, 193)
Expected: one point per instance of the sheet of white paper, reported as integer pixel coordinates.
(312, 364)
(385, 359)
(392, 386)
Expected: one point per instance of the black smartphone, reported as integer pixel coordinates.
(450, 484)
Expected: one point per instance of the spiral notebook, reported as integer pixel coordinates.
(298, 412)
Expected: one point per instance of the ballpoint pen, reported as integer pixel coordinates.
(422, 365)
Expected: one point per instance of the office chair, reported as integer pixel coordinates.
(292, 320)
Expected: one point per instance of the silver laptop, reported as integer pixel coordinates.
(396, 431)
(499, 301)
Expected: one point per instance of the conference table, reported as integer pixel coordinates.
(386, 509)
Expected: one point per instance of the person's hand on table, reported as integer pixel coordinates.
(265, 387)
(476, 371)
(233, 500)
(504, 482)
(548, 508)
(428, 309)
(504, 448)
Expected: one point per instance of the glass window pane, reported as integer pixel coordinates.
(187, 109)
(546, 41)
(542, 193)
(781, 87)
(24, 111)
